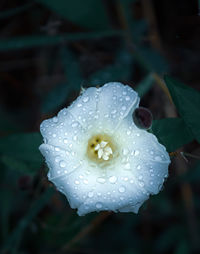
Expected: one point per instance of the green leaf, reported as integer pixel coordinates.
(172, 133)
(187, 101)
(88, 13)
(145, 85)
(20, 152)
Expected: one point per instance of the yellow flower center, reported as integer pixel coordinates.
(100, 148)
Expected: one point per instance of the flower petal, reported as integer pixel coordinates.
(115, 102)
(63, 131)
(84, 108)
(144, 156)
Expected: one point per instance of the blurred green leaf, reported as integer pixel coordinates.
(192, 175)
(152, 60)
(6, 198)
(71, 68)
(55, 98)
(172, 133)
(20, 151)
(121, 70)
(145, 85)
(183, 247)
(58, 95)
(187, 101)
(13, 241)
(43, 40)
(88, 13)
(169, 237)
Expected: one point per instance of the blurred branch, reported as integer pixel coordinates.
(187, 196)
(15, 11)
(150, 17)
(133, 49)
(94, 224)
(44, 40)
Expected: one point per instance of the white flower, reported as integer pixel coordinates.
(97, 156)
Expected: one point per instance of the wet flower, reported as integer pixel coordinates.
(98, 158)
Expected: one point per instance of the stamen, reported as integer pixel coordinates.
(104, 151)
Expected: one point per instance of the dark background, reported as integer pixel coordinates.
(48, 51)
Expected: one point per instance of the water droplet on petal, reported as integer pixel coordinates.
(90, 194)
(158, 158)
(136, 152)
(85, 181)
(113, 179)
(101, 180)
(122, 189)
(77, 182)
(141, 183)
(62, 164)
(55, 119)
(85, 99)
(98, 205)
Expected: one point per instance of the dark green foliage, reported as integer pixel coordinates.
(172, 133)
(187, 101)
(88, 13)
(92, 42)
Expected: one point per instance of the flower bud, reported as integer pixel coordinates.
(142, 118)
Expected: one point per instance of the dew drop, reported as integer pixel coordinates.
(98, 205)
(57, 158)
(65, 140)
(85, 181)
(128, 132)
(127, 98)
(74, 124)
(90, 194)
(85, 99)
(113, 179)
(136, 152)
(138, 167)
(123, 107)
(54, 135)
(101, 180)
(55, 119)
(62, 164)
(141, 183)
(158, 158)
(77, 182)
(79, 105)
(122, 189)
(125, 151)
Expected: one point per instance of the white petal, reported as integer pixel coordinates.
(145, 157)
(63, 131)
(84, 108)
(115, 102)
